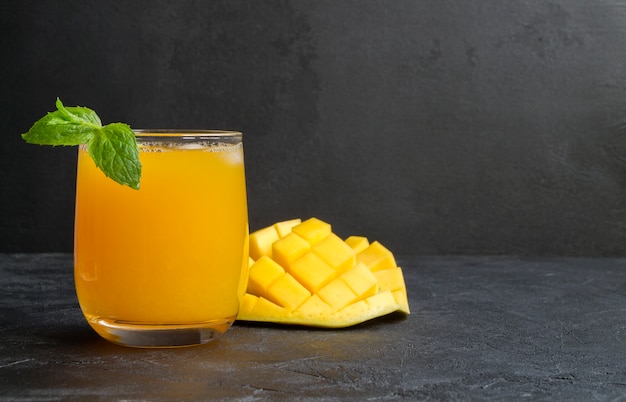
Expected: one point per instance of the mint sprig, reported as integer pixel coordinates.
(112, 147)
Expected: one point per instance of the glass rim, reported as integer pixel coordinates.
(196, 133)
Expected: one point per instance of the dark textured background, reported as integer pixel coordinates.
(436, 127)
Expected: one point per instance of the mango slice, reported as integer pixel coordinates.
(302, 273)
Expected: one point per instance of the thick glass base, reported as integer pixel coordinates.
(142, 335)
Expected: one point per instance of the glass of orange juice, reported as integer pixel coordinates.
(165, 265)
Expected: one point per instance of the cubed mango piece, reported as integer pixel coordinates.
(254, 308)
(357, 243)
(361, 281)
(390, 279)
(284, 228)
(264, 307)
(287, 292)
(312, 271)
(381, 300)
(263, 273)
(337, 294)
(312, 230)
(289, 249)
(261, 242)
(247, 302)
(335, 252)
(376, 257)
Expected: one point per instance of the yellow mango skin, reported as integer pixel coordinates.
(321, 280)
(375, 306)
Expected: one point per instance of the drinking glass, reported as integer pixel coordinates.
(165, 265)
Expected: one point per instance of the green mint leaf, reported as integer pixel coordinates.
(79, 115)
(112, 147)
(65, 126)
(114, 150)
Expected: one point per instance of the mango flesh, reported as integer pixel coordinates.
(302, 273)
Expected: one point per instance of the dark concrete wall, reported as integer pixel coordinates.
(452, 127)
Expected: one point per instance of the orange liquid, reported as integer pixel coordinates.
(169, 253)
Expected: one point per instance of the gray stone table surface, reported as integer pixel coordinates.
(481, 328)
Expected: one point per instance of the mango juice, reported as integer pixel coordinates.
(173, 252)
